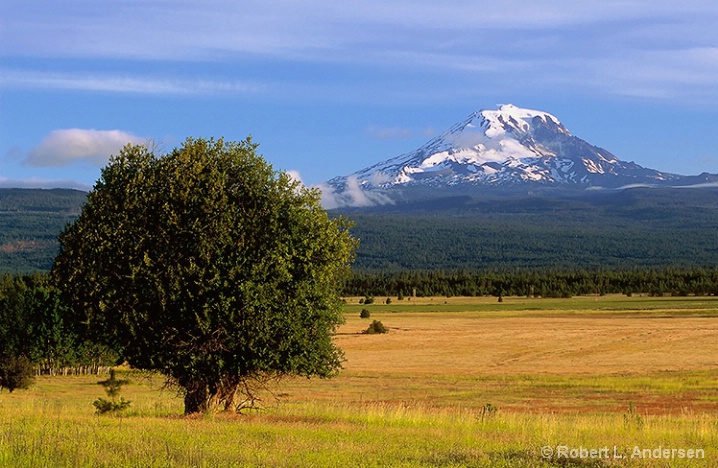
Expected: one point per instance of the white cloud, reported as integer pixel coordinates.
(353, 195)
(295, 176)
(377, 178)
(65, 147)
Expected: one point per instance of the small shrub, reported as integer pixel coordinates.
(376, 327)
(113, 385)
(369, 300)
(16, 372)
(361, 301)
(388, 300)
(364, 313)
(105, 406)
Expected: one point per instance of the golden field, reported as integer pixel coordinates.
(455, 382)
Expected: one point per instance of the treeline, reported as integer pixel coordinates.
(657, 282)
(40, 334)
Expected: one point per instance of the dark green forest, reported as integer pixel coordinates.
(30, 221)
(638, 240)
(607, 230)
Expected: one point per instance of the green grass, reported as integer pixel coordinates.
(614, 304)
(63, 431)
(41, 428)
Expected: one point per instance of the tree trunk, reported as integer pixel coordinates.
(196, 399)
(202, 398)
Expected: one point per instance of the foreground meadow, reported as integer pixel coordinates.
(599, 381)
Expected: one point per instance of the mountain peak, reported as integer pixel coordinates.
(511, 112)
(507, 147)
(509, 116)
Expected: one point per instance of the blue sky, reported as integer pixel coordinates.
(327, 88)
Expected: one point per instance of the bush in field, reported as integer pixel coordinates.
(364, 313)
(369, 300)
(16, 372)
(376, 327)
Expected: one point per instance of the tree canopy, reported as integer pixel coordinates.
(209, 266)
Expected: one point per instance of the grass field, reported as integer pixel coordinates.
(455, 382)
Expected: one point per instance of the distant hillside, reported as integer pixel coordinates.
(603, 229)
(611, 229)
(30, 221)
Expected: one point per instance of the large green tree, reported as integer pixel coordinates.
(209, 266)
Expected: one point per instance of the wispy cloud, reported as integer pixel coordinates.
(122, 84)
(314, 29)
(352, 195)
(620, 47)
(69, 146)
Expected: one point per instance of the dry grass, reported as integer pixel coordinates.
(597, 354)
(584, 372)
(471, 344)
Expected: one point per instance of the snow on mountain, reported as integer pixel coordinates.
(507, 147)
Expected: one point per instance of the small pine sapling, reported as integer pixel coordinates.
(113, 385)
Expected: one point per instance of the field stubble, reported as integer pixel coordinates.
(585, 372)
(660, 355)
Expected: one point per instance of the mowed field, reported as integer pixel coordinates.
(659, 354)
(455, 382)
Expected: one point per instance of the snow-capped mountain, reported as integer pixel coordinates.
(508, 147)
